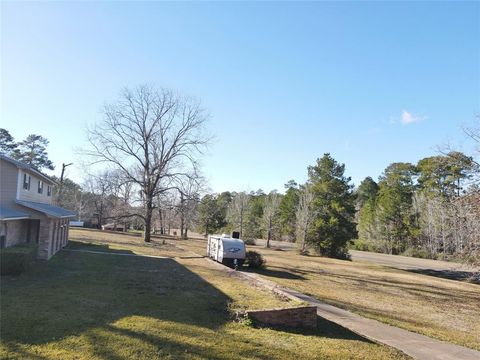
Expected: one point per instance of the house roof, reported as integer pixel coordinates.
(47, 209)
(24, 166)
(12, 214)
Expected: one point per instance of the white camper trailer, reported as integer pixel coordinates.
(226, 249)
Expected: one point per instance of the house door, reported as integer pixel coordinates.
(33, 230)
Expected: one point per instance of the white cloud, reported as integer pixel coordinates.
(410, 118)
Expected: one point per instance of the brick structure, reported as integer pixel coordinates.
(297, 317)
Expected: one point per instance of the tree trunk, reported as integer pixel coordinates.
(269, 233)
(182, 216)
(241, 224)
(304, 242)
(162, 226)
(181, 225)
(148, 221)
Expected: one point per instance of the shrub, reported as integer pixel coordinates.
(249, 242)
(15, 260)
(363, 245)
(255, 260)
(418, 253)
(341, 253)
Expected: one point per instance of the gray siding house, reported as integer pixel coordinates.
(26, 210)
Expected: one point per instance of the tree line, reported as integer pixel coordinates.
(146, 151)
(319, 215)
(429, 209)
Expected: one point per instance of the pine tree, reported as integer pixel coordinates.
(33, 151)
(7, 144)
(394, 207)
(334, 207)
(287, 211)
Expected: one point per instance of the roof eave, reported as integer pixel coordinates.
(40, 175)
(23, 166)
(15, 218)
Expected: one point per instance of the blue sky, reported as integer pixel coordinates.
(371, 83)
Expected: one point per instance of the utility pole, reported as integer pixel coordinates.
(60, 190)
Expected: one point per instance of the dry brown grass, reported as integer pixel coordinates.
(444, 309)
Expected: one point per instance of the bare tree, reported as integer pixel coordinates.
(166, 206)
(304, 215)
(237, 210)
(120, 198)
(270, 212)
(189, 190)
(473, 132)
(99, 185)
(161, 207)
(466, 225)
(152, 137)
(450, 226)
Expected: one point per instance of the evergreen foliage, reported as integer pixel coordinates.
(288, 207)
(33, 151)
(334, 206)
(7, 143)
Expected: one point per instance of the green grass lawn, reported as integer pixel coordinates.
(93, 306)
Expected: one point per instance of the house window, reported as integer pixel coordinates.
(40, 186)
(49, 190)
(27, 179)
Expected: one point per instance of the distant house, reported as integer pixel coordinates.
(26, 211)
(113, 227)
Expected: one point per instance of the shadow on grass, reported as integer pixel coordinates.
(325, 328)
(448, 274)
(228, 350)
(77, 293)
(274, 272)
(192, 257)
(81, 245)
(77, 241)
(426, 291)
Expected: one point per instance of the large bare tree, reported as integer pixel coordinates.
(154, 137)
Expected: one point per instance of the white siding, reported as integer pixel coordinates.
(32, 194)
